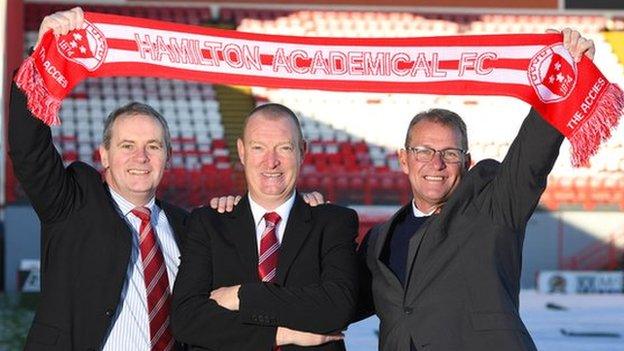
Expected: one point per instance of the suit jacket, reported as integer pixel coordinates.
(315, 291)
(85, 244)
(463, 275)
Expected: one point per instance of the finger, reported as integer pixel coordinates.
(552, 30)
(229, 203)
(587, 47)
(575, 36)
(72, 17)
(581, 48)
(62, 19)
(566, 37)
(79, 16)
(237, 199)
(214, 203)
(222, 204)
(318, 197)
(307, 198)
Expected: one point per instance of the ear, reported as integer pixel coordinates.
(104, 156)
(304, 149)
(467, 162)
(402, 155)
(240, 147)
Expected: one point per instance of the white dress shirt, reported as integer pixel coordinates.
(130, 326)
(419, 213)
(258, 215)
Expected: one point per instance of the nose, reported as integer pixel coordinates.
(141, 154)
(272, 159)
(437, 161)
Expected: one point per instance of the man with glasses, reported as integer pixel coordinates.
(444, 272)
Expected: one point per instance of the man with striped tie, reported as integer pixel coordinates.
(109, 251)
(274, 273)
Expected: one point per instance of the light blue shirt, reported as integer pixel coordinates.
(130, 326)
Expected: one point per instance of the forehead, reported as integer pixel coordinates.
(261, 126)
(431, 132)
(138, 126)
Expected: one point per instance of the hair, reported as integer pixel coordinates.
(275, 111)
(444, 117)
(133, 109)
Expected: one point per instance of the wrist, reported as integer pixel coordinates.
(280, 337)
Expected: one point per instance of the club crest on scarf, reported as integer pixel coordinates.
(552, 73)
(85, 46)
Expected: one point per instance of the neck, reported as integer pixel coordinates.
(426, 207)
(270, 203)
(137, 200)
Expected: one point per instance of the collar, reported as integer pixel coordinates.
(282, 210)
(126, 207)
(419, 213)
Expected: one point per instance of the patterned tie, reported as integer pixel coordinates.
(156, 283)
(269, 249)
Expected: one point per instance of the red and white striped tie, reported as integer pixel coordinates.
(269, 248)
(156, 283)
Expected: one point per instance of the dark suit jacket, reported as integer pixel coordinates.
(85, 244)
(316, 286)
(463, 277)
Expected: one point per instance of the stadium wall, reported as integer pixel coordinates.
(541, 248)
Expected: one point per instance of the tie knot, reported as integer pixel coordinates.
(272, 218)
(143, 213)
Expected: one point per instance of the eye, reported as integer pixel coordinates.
(287, 148)
(424, 152)
(126, 146)
(452, 154)
(154, 147)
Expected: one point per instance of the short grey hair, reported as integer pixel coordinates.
(133, 109)
(275, 111)
(444, 117)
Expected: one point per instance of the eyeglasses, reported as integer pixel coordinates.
(425, 154)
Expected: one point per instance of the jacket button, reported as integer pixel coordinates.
(254, 318)
(407, 310)
(109, 313)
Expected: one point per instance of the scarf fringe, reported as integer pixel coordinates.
(41, 103)
(598, 126)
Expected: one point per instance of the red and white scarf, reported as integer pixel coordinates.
(573, 97)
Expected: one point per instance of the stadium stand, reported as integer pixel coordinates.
(352, 148)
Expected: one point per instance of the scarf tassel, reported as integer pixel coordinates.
(41, 103)
(598, 127)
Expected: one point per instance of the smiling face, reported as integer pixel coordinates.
(135, 159)
(271, 152)
(432, 182)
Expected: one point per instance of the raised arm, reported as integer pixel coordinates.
(51, 189)
(37, 165)
(522, 176)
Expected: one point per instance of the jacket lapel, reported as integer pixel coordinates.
(437, 250)
(120, 243)
(177, 222)
(417, 251)
(297, 229)
(381, 242)
(240, 230)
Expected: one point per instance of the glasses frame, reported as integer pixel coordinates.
(415, 149)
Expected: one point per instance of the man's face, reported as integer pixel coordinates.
(432, 182)
(136, 157)
(271, 153)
